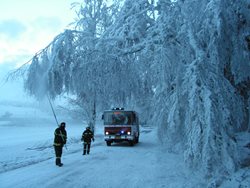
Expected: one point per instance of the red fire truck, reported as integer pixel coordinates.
(121, 125)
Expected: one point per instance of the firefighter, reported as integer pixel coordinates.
(60, 140)
(87, 137)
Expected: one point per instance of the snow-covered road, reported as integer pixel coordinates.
(28, 161)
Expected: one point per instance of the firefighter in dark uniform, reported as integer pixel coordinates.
(87, 137)
(59, 141)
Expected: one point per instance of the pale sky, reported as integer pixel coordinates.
(27, 26)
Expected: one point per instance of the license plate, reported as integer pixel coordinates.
(117, 137)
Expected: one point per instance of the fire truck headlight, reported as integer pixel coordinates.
(122, 132)
(129, 133)
(106, 132)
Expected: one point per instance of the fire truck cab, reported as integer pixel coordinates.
(121, 125)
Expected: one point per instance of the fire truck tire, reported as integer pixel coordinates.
(108, 143)
(131, 143)
(136, 139)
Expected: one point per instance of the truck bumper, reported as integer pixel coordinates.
(116, 138)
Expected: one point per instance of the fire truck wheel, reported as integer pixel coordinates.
(131, 143)
(108, 143)
(136, 139)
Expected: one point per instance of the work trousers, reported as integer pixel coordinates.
(58, 152)
(86, 147)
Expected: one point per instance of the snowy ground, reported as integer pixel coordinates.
(27, 157)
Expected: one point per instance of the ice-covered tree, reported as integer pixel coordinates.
(200, 109)
(99, 69)
(72, 62)
(128, 40)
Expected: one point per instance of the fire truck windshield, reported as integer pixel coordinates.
(118, 118)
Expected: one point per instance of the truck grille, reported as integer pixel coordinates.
(117, 130)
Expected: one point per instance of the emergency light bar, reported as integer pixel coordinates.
(117, 108)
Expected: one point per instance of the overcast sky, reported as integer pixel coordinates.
(27, 26)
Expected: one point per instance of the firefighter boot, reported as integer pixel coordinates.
(60, 164)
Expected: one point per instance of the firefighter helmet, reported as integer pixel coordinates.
(63, 124)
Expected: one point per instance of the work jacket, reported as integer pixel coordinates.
(60, 137)
(87, 136)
